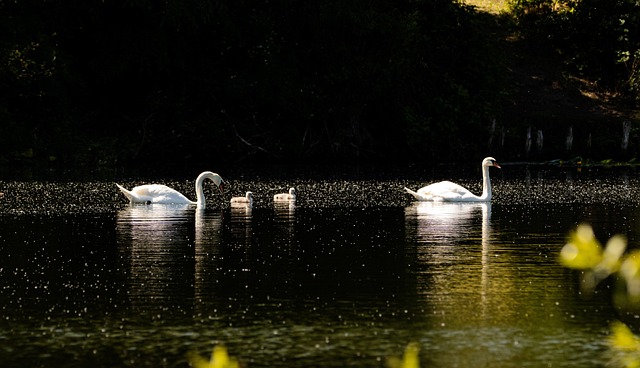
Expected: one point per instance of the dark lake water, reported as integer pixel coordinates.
(348, 276)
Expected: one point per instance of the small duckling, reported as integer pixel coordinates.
(285, 197)
(247, 200)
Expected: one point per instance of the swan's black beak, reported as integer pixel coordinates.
(221, 187)
(496, 165)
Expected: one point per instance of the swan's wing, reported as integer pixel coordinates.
(158, 193)
(445, 190)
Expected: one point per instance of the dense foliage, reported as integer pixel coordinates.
(137, 81)
(600, 39)
(92, 81)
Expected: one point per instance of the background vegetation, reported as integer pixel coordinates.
(139, 81)
(596, 39)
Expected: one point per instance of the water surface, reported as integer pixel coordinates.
(347, 276)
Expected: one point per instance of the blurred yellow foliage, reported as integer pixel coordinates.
(622, 338)
(410, 358)
(582, 251)
(630, 271)
(624, 345)
(219, 359)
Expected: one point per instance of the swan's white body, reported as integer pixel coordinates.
(452, 192)
(247, 200)
(285, 197)
(162, 194)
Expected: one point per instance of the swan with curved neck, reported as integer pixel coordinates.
(452, 192)
(162, 194)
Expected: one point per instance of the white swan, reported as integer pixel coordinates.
(452, 192)
(158, 193)
(285, 197)
(247, 200)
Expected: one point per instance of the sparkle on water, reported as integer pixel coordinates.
(347, 275)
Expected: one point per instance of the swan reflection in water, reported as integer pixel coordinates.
(451, 258)
(285, 214)
(241, 219)
(284, 228)
(155, 242)
(443, 222)
(208, 238)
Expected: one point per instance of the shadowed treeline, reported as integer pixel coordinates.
(132, 81)
(138, 82)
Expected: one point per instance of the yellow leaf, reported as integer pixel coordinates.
(219, 359)
(409, 360)
(583, 251)
(613, 252)
(630, 272)
(609, 263)
(622, 338)
(630, 268)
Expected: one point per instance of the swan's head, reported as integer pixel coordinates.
(249, 196)
(217, 180)
(292, 191)
(490, 161)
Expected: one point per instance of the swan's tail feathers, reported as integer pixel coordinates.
(126, 193)
(414, 194)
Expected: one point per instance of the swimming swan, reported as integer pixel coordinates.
(247, 200)
(452, 192)
(285, 197)
(158, 193)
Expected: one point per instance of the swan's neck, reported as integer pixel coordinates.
(486, 184)
(200, 201)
